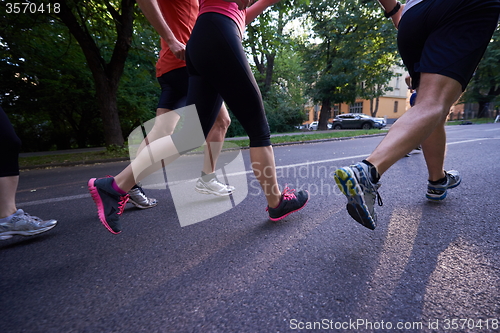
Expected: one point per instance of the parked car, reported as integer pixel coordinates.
(357, 120)
(314, 126)
(302, 127)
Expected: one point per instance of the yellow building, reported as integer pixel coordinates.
(391, 106)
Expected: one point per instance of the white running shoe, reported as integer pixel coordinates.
(213, 186)
(25, 225)
(138, 198)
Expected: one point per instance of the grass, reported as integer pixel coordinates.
(474, 121)
(79, 158)
(122, 153)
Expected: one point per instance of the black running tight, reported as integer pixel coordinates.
(10, 145)
(219, 70)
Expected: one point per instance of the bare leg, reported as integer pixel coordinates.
(164, 126)
(215, 140)
(436, 95)
(434, 149)
(144, 165)
(8, 188)
(264, 169)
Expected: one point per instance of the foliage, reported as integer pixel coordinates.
(62, 75)
(49, 92)
(484, 87)
(47, 98)
(277, 67)
(350, 52)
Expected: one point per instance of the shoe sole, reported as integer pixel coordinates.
(356, 206)
(205, 191)
(9, 234)
(444, 195)
(274, 219)
(100, 207)
(139, 205)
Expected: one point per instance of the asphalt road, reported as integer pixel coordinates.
(428, 267)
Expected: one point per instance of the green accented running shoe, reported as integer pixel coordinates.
(361, 193)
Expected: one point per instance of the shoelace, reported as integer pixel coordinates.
(377, 195)
(122, 203)
(142, 193)
(379, 199)
(288, 194)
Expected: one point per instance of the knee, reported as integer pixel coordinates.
(222, 123)
(433, 108)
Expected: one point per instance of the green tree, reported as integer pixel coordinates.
(49, 91)
(47, 99)
(484, 87)
(94, 24)
(276, 66)
(350, 53)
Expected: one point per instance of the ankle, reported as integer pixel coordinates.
(117, 188)
(372, 172)
(273, 201)
(207, 176)
(438, 176)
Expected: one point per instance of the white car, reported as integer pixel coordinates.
(314, 126)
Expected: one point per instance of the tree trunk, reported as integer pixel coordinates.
(374, 111)
(483, 109)
(269, 73)
(324, 114)
(108, 108)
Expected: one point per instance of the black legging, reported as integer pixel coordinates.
(10, 145)
(218, 70)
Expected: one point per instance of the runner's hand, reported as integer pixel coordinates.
(178, 49)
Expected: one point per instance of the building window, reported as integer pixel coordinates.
(396, 107)
(316, 112)
(335, 110)
(356, 107)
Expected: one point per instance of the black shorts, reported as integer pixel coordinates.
(174, 89)
(446, 37)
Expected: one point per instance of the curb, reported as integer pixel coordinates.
(123, 159)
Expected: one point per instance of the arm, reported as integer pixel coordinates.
(389, 5)
(152, 12)
(257, 8)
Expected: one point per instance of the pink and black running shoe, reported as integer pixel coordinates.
(110, 204)
(291, 202)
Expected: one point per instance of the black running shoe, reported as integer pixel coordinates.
(110, 204)
(290, 203)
